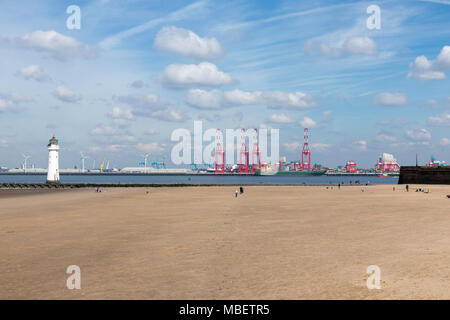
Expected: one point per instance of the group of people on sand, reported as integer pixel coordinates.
(241, 191)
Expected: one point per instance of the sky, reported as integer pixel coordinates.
(135, 71)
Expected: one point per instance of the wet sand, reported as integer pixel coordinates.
(202, 243)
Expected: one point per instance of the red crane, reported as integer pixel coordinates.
(243, 163)
(219, 154)
(306, 153)
(256, 152)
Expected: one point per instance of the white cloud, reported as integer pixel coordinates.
(280, 119)
(56, 44)
(439, 120)
(320, 147)
(150, 105)
(142, 102)
(169, 115)
(205, 99)
(445, 142)
(187, 43)
(151, 132)
(118, 113)
(431, 102)
(418, 134)
(188, 75)
(191, 9)
(104, 131)
(349, 47)
(121, 117)
(360, 46)
(385, 138)
(149, 147)
(425, 70)
(12, 102)
(390, 99)
(3, 143)
(33, 72)
(360, 145)
(65, 95)
(292, 146)
(308, 123)
(216, 99)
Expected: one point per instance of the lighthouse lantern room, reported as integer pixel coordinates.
(53, 161)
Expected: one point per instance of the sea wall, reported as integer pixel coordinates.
(424, 175)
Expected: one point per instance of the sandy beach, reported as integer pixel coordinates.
(203, 243)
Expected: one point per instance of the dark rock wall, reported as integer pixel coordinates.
(424, 175)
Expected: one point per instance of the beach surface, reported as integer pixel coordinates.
(272, 242)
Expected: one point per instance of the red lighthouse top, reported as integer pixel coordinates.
(53, 140)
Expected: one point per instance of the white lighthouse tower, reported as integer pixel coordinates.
(53, 161)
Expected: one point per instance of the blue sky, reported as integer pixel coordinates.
(137, 70)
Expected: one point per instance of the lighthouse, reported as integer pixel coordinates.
(53, 161)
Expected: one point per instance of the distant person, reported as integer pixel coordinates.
(241, 190)
(407, 188)
(393, 188)
(339, 186)
(236, 194)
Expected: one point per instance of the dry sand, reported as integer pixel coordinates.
(202, 243)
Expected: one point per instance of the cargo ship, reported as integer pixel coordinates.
(302, 173)
(267, 170)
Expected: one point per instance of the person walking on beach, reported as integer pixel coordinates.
(241, 190)
(339, 186)
(407, 188)
(236, 193)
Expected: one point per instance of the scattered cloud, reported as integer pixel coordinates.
(191, 9)
(308, 123)
(121, 117)
(151, 132)
(384, 138)
(425, 70)
(442, 120)
(320, 147)
(118, 113)
(216, 99)
(360, 145)
(150, 105)
(445, 142)
(188, 75)
(350, 47)
(186, 43)
(390, 99)
(12, 102)
(56, 45)
(150, 147)
(104, 131)
(66, 95)
(431, 103)
(292, 146)
(280, 119)
(33, 72)
(418, 135)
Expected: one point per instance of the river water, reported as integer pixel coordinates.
(199, 179)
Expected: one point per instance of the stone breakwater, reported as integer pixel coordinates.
(424, 175)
